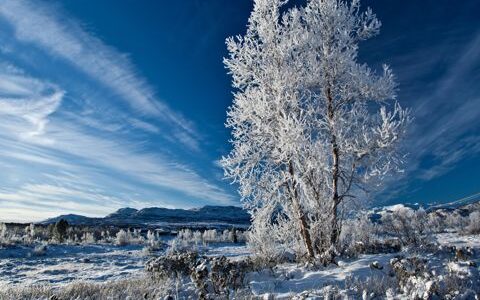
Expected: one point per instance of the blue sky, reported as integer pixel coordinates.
(107, 104)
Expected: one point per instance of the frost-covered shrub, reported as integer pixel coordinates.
(436, 222)
(408, 225)
(414, 278)
(123, 237)
(177, 264)
(88, 238)
(29, 233)
(40, 250)
(375, 287)
(275, 241)
(153, 243)
(210, 236)
(361, 236)
(407, 267)
(3, 234)
(189, 240)
(219, 276)
(127, 237)
(461, 281)
(213, 277)
(456, 221)
(473, 226)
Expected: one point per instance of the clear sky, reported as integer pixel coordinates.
(107, 104)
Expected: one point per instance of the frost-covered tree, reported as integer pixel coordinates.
(311, 127)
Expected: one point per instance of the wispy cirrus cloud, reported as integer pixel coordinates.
(445, 130)
(23, 98)
(447, 117)
(66, 145)
(65, 38)
(69, 146)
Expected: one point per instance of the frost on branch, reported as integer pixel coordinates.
(311, 127)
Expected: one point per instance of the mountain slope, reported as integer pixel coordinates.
(154, 215)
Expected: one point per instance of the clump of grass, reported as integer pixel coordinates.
(137, 288)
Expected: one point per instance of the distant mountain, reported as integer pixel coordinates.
(71, 219)
(463, 208)
(158, 216)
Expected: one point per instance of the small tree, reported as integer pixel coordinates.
(60, 230)
(311, 127)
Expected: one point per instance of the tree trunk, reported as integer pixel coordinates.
(334, 232)
(301, 216)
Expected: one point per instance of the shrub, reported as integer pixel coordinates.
(88, 238)
(40, 250)
(178, 264)
(473, 226)
(211, 276)
(123, 237)
(408, 225)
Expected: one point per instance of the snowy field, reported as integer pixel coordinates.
(66, 263)
(288, 280)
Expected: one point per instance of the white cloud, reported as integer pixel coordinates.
(82, 147)
(66, 39)
(61, 154)
(23, 98)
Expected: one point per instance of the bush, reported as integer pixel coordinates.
(178, 264)
(473, 226)
(211, 276)
(407, 225)
(123, 237)
(40, 250)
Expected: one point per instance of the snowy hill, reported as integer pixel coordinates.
(71, 219)
(158, 215)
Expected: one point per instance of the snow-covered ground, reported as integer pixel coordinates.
(65, 263)
(288, 280)
(100, 263)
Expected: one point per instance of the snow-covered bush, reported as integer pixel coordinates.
(174, 264)
(436, 222)
(30, 233)
(272, 241)
(214, 278)
(40, 250)
(371, 287)
(210, 236)
(462, 281)
(456, 221)
(189, 240)
(357, 232)
(153, 243)
(459, 280)
(408, 225)
(473, 226)
(3, 234)
(89, 238)
(219, 276)
(123, 237)
(127, 237)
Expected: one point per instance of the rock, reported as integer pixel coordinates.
(376, 265)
